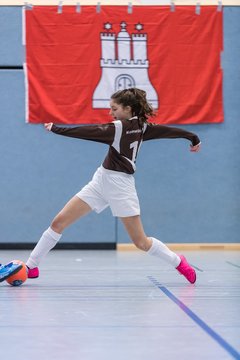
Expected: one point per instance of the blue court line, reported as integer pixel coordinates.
(230, 263)
(197, 320)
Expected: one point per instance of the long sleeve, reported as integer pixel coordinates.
(100, 133)
(165, 132)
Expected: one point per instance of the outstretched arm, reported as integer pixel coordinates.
(103, 133)
(166, 132)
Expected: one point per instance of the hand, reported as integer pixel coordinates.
(195, 148)
(48, 126)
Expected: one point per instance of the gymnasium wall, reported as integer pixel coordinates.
(185, 197)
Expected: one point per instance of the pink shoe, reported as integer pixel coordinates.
(186, 270)
(33, 273)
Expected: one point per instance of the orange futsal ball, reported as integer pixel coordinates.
(20, 277)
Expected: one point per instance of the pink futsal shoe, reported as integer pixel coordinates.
(33, 273)
(186, 270)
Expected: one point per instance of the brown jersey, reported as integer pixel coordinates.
(124, 138)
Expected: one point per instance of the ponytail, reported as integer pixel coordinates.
(137, 100)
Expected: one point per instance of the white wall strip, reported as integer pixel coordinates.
(26, 92)
(23, 26)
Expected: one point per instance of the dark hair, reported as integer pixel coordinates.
(136, 99)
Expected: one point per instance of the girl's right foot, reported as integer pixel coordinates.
(186, 270)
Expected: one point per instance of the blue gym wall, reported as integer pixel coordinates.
(185, 197)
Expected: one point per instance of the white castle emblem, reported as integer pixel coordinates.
(124, 64)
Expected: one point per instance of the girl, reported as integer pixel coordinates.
(113, 182)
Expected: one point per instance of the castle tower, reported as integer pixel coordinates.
(139, 47)
(124, 44)
(108, 46)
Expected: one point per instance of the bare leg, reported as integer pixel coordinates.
(73, 210)
(134, 227)
(153, 246)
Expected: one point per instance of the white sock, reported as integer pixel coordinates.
(47, 241)
(162, 251)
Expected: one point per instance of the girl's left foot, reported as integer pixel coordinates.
(33, 273)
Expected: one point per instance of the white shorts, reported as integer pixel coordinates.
(114, 189)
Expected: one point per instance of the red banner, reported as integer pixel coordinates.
(75, 61)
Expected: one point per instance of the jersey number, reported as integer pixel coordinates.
(135, 147)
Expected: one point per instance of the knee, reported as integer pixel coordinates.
(58, 224)
(143, 243)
